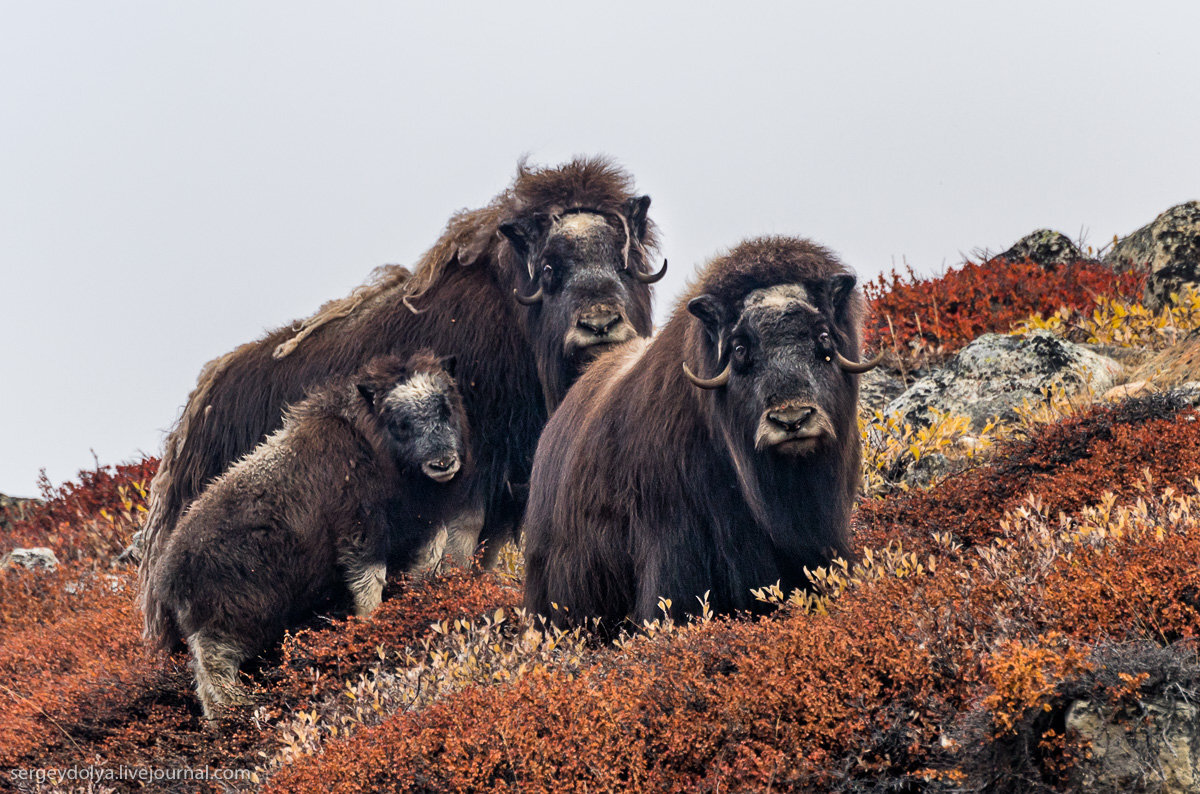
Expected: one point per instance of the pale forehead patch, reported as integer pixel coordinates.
(579, 223)
(777, 297)
(416, 389)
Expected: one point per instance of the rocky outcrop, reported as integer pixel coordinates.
(1045, 247)
(13, 509)
(1167, 248)
(876, 389)
(1155, 749)
(997, 373)
(36, 559)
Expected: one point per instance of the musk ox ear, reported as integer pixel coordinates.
(708, 309)
(635, 211)
(469, 253)
(449, 363)
(840, 289)
(525, 233)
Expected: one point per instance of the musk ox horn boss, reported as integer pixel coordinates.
(354, 484)
(652, 480)
(577, 236)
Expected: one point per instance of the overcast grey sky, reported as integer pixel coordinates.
(177, 177)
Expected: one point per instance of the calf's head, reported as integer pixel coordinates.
(420, 412)
(586, 284)
(784, 382)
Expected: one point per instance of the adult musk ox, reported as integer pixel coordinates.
(522, 291)
(652, 481)
(353, 484)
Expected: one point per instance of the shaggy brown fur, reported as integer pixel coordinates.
(645, 486)
(354, 484)
(513, 363)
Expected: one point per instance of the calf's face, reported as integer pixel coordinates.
(423, 417)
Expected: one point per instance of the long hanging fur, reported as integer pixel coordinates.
(462, 288)
(642, 488)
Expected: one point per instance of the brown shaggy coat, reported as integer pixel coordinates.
(646, 487)
(511, 363)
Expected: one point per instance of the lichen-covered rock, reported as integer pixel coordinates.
(1157, 749)
(1167, 248)
(39, 558)
(998, 373)
(1045, 247)
(876, 389)
(13, 509)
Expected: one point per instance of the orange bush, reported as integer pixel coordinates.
(946, 312)
(946, 659)
(953, 673)
(93, 519)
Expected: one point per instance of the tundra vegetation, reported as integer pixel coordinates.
(947, 655)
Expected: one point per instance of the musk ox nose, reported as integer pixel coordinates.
(599, 322)
(442, 469)
(791, 419)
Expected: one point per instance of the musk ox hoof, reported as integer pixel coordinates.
(215, 663)
(428, 560)
(367, 589)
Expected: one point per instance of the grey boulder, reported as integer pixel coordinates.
(997, 373)
(1167, 248)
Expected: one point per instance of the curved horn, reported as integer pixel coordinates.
(712, 383)
(857, 367)
(650, 278)
(528, 300)
(410, 307)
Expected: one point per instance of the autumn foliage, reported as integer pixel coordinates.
(1060, 566)
(909, 313)
(966, 681)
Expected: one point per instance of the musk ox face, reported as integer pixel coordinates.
(588, 286)
(423, 418)
(783, 376)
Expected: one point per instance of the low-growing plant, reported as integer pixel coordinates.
(1122, 322)
(92, 519)
(892, 447)
(924, 319)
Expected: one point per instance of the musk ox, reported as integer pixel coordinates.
(651, 481)
(523, 291)
(353, 485)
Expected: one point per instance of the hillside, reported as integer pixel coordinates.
(1022, 614)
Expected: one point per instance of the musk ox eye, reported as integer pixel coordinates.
(740, 353)
(547, 272)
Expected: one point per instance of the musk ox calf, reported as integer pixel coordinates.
(651, 481)
(354, 484)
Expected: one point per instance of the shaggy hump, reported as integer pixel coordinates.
(764, 262)
(472, 237)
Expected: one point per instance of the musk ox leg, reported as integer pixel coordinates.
(215, 663)
(462, 537)
(366, 586)
(429, 559)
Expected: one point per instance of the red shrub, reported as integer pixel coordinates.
(949, 311)
(92, 519)
(986, 649)
(1067, 465)
(76, 681)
